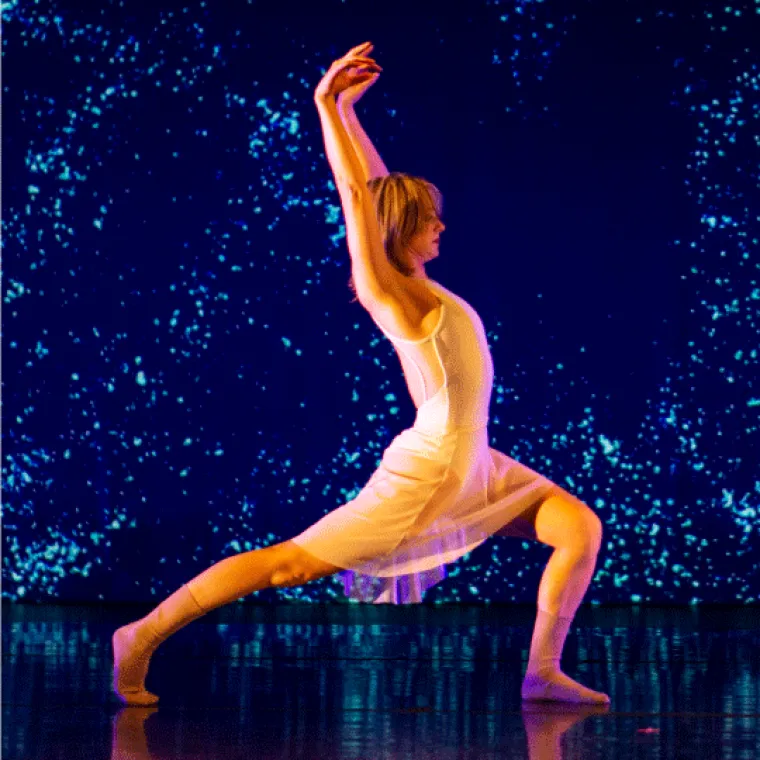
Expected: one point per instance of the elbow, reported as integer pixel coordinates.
(355, 187)
(351, 190)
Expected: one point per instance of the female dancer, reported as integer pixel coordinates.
(440, 491)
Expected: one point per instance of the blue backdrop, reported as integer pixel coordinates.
(185, 376)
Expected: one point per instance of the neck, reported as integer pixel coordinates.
(418, 270)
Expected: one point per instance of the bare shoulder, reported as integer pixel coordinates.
(409, 310)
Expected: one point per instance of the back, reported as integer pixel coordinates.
(451, 368)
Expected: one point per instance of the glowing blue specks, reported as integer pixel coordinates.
(333, 213)
(286, 178)
(608, 446)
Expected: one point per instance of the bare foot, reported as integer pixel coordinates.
(130, 666)
(555, 686)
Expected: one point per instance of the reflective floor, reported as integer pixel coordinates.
(373, 682)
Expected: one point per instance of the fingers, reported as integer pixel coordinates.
(357, 60)
(363, 61)
(364, 47)
(366, 63)
(359, 54)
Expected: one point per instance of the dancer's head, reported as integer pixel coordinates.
(409, 211)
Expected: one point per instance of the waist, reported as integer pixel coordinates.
(439, 415)
(433, 426)
(441, 444)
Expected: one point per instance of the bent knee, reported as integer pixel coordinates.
(294, 566)
(571, 524)
(585, 534)
(287, 575)
(594, 529)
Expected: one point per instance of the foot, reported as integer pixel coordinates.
(130, 666)
(555, 686)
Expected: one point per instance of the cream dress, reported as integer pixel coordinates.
(439, 491)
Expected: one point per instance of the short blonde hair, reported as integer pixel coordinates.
(399, 202)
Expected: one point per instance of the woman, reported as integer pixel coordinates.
(440, 491)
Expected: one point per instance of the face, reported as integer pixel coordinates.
(424, 245)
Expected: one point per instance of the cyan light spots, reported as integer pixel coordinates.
(187, 315)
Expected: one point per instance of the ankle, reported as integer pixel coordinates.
(140, 635)
(543, 668)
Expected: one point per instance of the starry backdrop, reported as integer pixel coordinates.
(185, 376)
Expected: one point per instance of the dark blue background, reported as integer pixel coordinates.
(575, 209)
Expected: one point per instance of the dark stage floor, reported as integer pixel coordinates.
(376, 682)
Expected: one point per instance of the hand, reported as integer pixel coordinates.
(354, 92)
(353, 69)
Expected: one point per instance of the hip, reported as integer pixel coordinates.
(455, 451)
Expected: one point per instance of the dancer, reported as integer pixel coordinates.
(439, 491)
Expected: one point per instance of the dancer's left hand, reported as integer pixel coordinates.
(354, 68)
(354, 92)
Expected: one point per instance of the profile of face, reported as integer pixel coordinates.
(425, 242)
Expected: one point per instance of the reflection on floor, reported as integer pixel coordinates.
(373, 682)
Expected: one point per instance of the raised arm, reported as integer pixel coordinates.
(372, 272)
(369, 158)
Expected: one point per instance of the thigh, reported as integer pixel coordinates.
(563, 520)
(553, 519)
(524, 525)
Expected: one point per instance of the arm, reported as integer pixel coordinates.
(371, 163)
(371, 270)
(344, 163)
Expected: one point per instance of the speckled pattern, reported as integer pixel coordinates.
(184, 376)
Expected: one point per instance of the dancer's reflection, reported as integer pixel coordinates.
(128, 740)
(546, 723)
